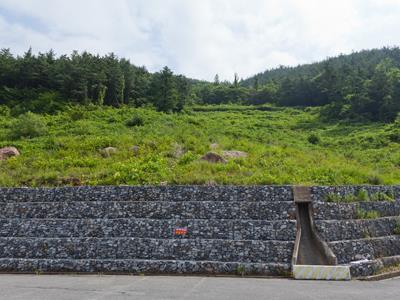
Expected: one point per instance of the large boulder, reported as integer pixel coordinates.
(108, 151)
(74, 181)
(234, 154)
(135, 149)
(177, 150)
(213, 157)
(8, 152)
(214, 146)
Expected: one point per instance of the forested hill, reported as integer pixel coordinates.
(45, 83)
(365, 61)
(362, 85)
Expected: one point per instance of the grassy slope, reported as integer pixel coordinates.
(276, 141)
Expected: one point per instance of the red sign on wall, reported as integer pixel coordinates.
(180, 231)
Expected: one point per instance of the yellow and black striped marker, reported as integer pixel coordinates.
(316, 272)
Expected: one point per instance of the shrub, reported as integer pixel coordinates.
(395, 136)
(314, 139)
(187, 158)
(332, 197)
(337, 198)
(363, 214)
(381, 196)
(350, 198)
(375, 180)
(362, 195)
(4, 111)
(135, 121)
(76, 113)
(397, 228)
(373, 214)
(28, 125)
(241, 270)
(47, 102)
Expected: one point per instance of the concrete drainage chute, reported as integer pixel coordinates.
(312, 257)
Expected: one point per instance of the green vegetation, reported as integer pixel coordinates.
(364, 84)
(241, 270)
(397, 228)
(135, 121)
(45, 83)
(389, 269)
(361, 86)
(99, 120)
(380, 196)
(363, 214)
(27, 125)
(314, 139)
(157, 148)
(363, 195)
(360, 196)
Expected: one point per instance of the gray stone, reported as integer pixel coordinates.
(213, 157)
(8, 152)
(231, 154)
(108, 151)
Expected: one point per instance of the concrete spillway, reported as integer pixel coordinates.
(311, 251)
(312, 257)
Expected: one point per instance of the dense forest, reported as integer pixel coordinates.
(45, 83)
(362, 85)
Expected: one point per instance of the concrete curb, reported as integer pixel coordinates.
(382, 276)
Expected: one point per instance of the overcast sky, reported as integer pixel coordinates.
(200, 38)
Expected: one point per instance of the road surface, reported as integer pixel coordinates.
(62, 287)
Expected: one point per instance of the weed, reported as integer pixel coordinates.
(28, 125)
(333, 197)
(350, 198)
(135, 121)
(397, 228)
(362, 195)
(314, 139)
(388, 269)
(241, 270)
(375, 180)
(382, 196)
(366, 234)
(370, 214)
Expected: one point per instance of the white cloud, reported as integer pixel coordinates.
(202, 38)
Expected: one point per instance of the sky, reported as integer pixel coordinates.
(201, 38)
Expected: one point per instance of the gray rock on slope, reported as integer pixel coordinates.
(8, 152)
(108, 151)
(213, 157)
(234, 154)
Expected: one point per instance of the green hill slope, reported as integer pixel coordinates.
(284, 146)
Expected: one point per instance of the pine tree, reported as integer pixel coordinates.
(216, 79)
(256, 83)
(235, 80)
(165, 96)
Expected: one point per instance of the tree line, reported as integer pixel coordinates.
(45, 82)
(364, 84)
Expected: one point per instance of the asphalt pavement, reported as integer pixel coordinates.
(82, 287)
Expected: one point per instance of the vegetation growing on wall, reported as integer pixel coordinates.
(361, 196)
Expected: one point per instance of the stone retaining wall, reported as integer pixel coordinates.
(230, 229)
